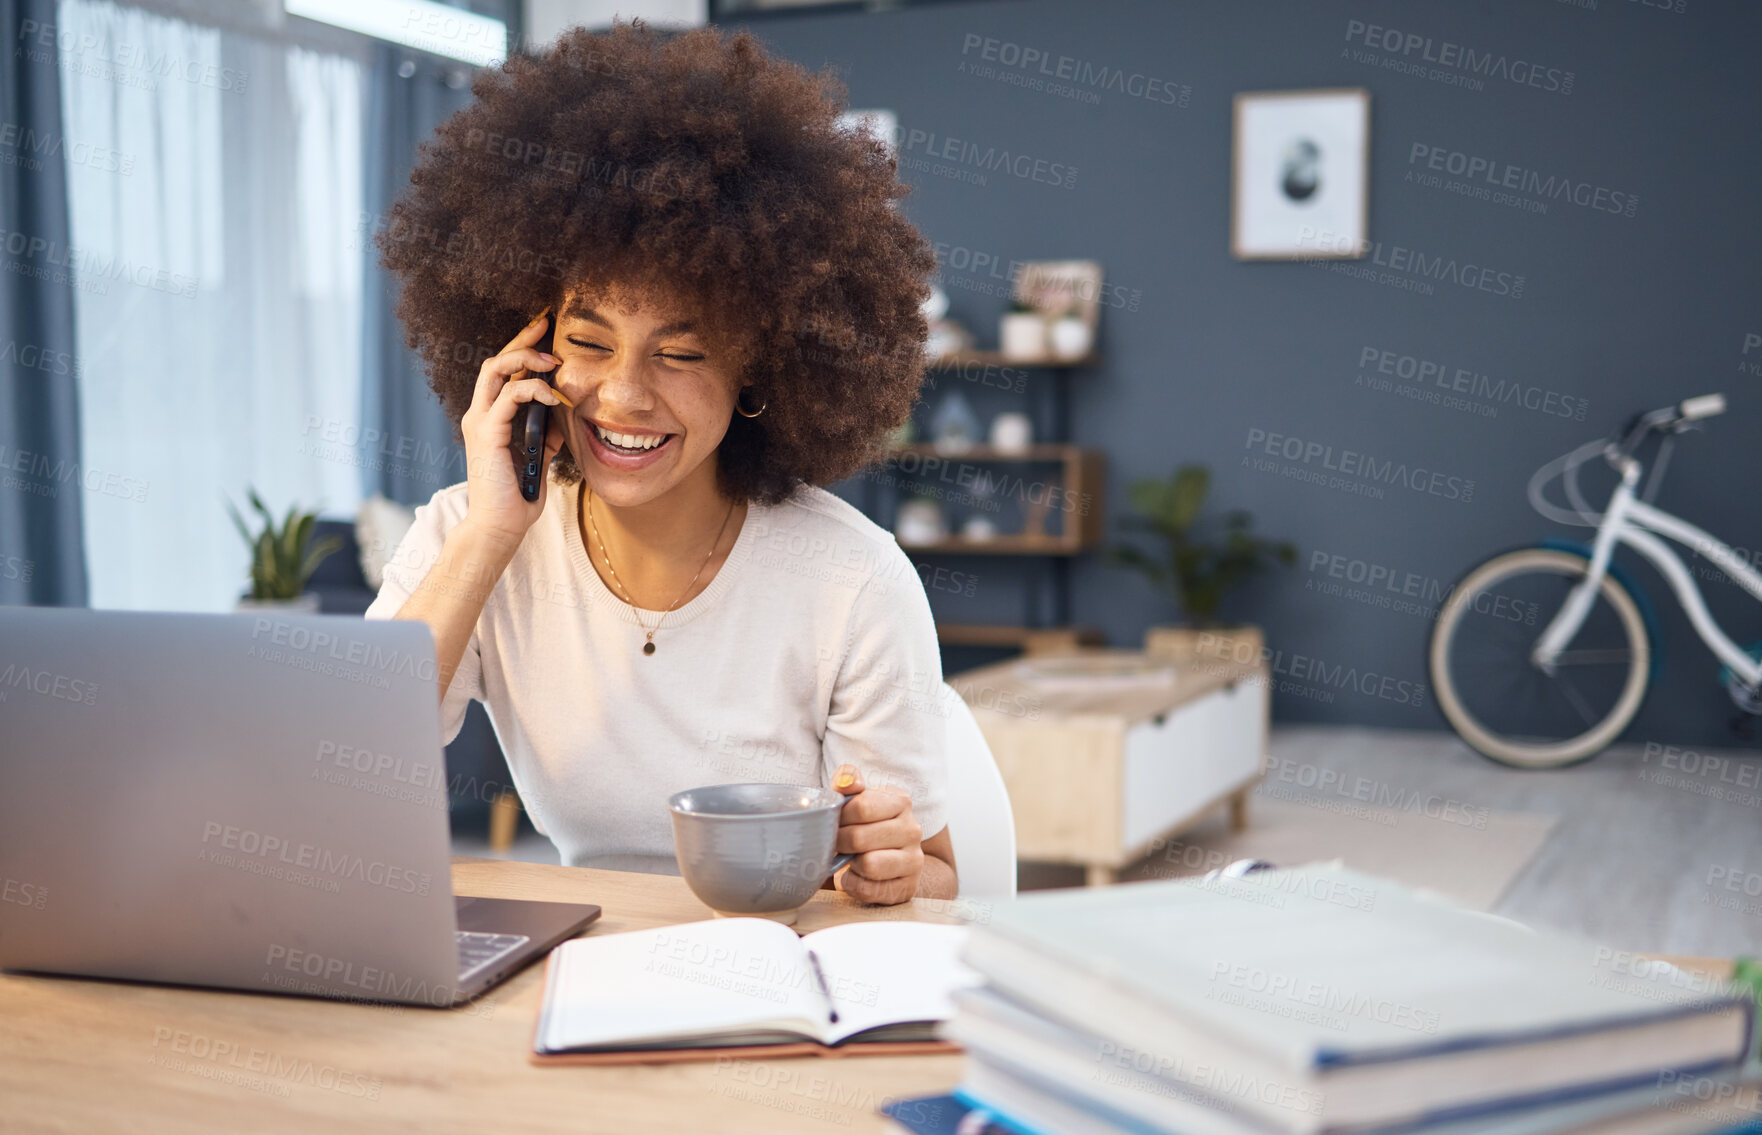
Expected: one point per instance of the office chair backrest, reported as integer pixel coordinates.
(981, 823)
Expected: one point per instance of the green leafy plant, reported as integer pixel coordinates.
(282, 559)
(1199, 562)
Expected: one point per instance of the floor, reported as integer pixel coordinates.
(1656, 848)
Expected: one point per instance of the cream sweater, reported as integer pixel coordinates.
(812, 647)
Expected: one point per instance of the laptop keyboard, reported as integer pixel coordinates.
(478, 951)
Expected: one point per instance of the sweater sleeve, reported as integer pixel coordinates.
(416, 554)
(887, 714)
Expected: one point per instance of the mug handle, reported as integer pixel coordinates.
(838, 864)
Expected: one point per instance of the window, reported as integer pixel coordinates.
(215, 185)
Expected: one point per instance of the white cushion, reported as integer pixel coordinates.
(379, 529)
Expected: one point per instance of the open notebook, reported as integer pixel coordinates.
(699, 990)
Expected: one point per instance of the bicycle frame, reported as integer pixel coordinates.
(1631, 521)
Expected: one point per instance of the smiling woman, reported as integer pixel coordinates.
(736, 306)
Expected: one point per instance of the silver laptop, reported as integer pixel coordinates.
(248, 801)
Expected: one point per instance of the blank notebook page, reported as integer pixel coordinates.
(681, 981)
(881, 973)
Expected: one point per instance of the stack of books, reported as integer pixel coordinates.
(1319, 1000)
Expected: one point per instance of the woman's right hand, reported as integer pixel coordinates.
(493, 500)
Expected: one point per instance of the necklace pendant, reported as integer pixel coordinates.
(648, 647)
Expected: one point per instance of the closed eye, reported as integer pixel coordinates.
(597, 347)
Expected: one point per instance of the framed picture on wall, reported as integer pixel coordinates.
(1301, 174)
(1056, 287)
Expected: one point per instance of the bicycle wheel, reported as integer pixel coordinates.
(1502, 703)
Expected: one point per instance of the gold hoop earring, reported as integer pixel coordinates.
(743, 411)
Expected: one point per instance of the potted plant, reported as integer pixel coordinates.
(1069, 335)
(1021, 333)
(1199, 562)
(282, 559)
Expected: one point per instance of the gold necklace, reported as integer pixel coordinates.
(648, 646)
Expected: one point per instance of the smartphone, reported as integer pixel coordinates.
(530, 419)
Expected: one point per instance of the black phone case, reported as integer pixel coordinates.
(527, 441)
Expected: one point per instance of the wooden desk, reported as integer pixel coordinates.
(79, 1055)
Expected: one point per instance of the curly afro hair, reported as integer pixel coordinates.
(686, 165)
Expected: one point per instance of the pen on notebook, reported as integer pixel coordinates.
(820, 980)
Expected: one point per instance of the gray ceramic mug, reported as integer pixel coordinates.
(756, 850)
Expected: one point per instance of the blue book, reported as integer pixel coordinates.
(951, 1115)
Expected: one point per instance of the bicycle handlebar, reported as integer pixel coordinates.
(1706, 406)
(1672, 419)
(1617, 449)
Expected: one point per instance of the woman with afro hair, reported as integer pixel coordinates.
(737, 321)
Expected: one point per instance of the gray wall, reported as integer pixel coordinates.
(1623, 312)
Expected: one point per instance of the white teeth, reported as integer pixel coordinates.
(630, 441)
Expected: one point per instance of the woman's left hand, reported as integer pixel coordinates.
(878, 826)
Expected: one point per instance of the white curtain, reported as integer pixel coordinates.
(216, 186)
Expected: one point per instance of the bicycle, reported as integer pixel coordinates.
(1566, 635)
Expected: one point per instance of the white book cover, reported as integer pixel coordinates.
(1321, 966)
